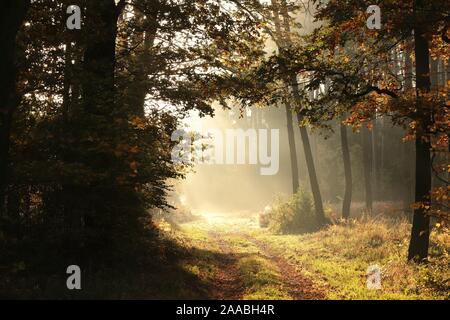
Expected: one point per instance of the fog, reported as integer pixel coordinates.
(242, 188)
(229, 188)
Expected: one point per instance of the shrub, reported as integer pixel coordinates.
(264, 217)
(295, 215)
(174, 216)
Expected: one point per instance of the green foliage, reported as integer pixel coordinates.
(295, 215)
(90, 143)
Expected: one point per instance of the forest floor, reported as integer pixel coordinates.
(231, 257)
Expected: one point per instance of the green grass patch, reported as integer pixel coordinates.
(339, 257)
(261, 280)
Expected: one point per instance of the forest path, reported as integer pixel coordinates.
(245, 266)
(228, 283)
(298, 285)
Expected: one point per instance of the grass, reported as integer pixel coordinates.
(339, 257)
(336, 258)
(259, 276)
(261, 280)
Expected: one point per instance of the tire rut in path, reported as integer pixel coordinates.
(228, 284)
(298, 286)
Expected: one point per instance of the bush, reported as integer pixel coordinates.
(264, 217)
(175, 216)
(295, 215)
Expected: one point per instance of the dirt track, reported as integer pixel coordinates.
(228, 282)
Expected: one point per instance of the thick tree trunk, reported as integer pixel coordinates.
(12, 14)
(99, 57)
(420, 233)
(348, 173)
(5, 132)
(408, 153)
(99, 104)
(368, 167)
(142, 42)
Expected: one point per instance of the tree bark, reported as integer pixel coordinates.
(315, 189)
(99, 56)
(291, 80)
(375, 157)
(12, 14)
(408, 150)
(314, 183)
(420, 233)
(368, 167)
(292, 147)
(348, 173)
(143, 66)
(288, 106)
(99, 102)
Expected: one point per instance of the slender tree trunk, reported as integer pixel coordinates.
(380, 172)
(348, 173)
(291, 80)
(292, 147)
(408, 156)
(368, 167)
(420, 233)
(289, 118)
(434, 74)
(12, 14)
(315, 189)
(373, 138)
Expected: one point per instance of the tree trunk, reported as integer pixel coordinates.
(5, 132)
(408, 154)
(100, 106)
(368, 167)
(291, 81)
(292, 147)
(380, 191)
(420, 233)
(315, 189)
(348, 173)
(375, 157)
(434, 75)
(99, 57)
(142, 42)
(289, 119)
(12, 14)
